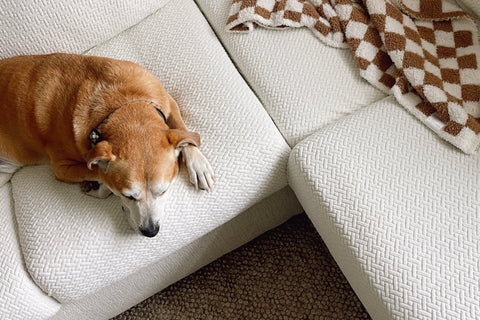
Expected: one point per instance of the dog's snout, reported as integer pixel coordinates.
(150, 230)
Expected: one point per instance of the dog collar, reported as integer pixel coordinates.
(95, 135)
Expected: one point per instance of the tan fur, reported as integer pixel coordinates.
(50, 103)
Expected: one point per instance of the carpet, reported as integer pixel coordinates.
(286, 273)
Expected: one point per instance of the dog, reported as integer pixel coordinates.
(107, 124)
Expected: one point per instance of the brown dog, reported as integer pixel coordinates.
(97, 119)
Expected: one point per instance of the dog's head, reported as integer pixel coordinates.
(139, 166)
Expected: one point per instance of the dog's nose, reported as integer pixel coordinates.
(150, 231)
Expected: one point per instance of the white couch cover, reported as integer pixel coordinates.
(399, 210)
(19, 295)
(301, 82)
(36, 27)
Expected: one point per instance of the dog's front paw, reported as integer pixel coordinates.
(199, 169)
(95, 189)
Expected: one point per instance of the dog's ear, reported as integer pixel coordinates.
(180, 138)
(100, 155)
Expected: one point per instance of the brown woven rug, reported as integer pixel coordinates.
(286, 273)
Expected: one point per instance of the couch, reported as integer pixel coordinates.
(399, 214)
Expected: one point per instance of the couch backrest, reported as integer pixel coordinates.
(43, 26)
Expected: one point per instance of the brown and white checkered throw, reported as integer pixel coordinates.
(424, 52)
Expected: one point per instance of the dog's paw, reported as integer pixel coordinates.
(95, 189)
(199, 169)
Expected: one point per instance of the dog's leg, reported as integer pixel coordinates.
(95, 189)
(73, 171)
(7, 169)
(199, 169)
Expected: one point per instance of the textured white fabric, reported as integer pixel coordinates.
(35, 27)
(472, 6)
(398, 209)
(74, 244)
(302, 83)
(20, 298)
(127, 292)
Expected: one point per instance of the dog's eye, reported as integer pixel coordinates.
(130, 197)
(159, 194)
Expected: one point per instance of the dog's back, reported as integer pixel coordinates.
(15, 110)
(40, 96)
(35, 95)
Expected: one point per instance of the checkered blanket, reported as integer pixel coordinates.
(424, 52)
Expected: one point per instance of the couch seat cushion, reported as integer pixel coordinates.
(20, 298)
(75, 244)
(399, 210)
(303, 83)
